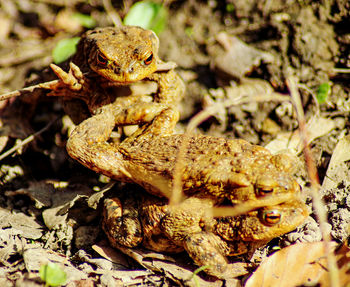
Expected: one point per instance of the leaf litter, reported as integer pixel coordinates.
(54, 217)
(301, 264)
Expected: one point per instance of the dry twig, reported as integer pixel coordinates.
(112, 13)
(25, 141)
(46, 85)
(320, 210)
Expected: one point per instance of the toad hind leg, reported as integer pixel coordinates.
(207, 249)
(189, 226)
(121, 223)
(88, 145)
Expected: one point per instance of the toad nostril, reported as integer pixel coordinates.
(131, 69)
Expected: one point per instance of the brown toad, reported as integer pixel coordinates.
(158, 226)
(108, 58)
(216, 168)
(220, 168)
(215, 171)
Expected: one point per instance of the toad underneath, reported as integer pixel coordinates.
(156, 225)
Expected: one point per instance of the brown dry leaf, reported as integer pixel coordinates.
(34, 257)
(343, 262)
(110, 253)
(168, 265)
(338, 170)
(41, 192)
(316, 127)
(21, 224)
(300, 264)
(63, 199)
(238, 58)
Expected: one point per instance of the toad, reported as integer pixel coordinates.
(108, 58)
(217, 168)
(161, 227)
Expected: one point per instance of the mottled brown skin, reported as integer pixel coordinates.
(214, 167)
(108, 58)
(158, 226)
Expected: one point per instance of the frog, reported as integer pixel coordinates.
(109, 59)
(156, 225)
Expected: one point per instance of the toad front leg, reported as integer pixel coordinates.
(89, 145)
(189, 226)
(166, 228)
(171, 88)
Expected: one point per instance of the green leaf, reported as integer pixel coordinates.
(323, 92)
(148, 15)
(230, 8)
(195, 272)
(189, 31)
(85, 20)
(52, 274)
(64, 49)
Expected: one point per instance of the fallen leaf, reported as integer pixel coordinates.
(237, 58)
(180, 272)
(110, 253)
(338, 169)
(316, 127)
(300, 264)
(25, 225)
(34, 258)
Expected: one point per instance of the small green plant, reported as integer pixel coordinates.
(85, 20)
(189, 31)
(64, 49)
(230, 8)
(52, 274)
(195, 272)
(148, 15)
(323, 92)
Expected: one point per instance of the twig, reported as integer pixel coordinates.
(45, 85)
(306, 88)
(341, 70)
(177, 194)
(25, 141)
(112, 13)
(315, 186)
(249, 205)
(211, 110)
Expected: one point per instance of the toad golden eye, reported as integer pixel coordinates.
(263, 191)
(101, 59)
(271, 217)
(148, 60)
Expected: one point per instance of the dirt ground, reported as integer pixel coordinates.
(50, 205)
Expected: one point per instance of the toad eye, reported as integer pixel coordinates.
(148, 60)
(101, 59)
(271, 217)
(263, 191)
